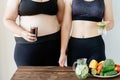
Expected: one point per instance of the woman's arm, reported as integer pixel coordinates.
(65, 31)
(108, 15)
(10, 16)
(60, 14)
(9, 20)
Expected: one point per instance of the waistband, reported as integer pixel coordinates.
(89, 38)
(40, 39)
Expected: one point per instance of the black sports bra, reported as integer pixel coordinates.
(91, 11)
(29, 7)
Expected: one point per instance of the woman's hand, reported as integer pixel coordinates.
(28, 36)
(108, 25)
(62, 60)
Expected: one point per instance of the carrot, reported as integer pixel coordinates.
(99, 68)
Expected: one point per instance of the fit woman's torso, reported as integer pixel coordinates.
(41, 14)
(85, 15)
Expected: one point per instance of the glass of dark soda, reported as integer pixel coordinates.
(34, 30)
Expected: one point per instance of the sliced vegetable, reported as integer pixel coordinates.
(99, 68)
(108, 68)
(110, 73)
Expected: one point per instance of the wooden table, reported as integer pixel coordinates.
(49, 73)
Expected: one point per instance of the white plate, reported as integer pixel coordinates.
(107, 76)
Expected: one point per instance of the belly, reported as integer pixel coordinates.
(46, 24)
(84, 29)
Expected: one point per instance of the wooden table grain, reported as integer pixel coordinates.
(49, 73)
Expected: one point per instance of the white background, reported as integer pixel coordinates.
(7, 65)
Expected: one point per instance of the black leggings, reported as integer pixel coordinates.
(44, 52)
(90, 48)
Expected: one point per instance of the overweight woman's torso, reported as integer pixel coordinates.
(85, 16)
(46, 24)
(39, 13)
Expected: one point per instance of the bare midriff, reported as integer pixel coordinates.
(84, 29)
(47, 24)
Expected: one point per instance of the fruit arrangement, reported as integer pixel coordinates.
(104, 68)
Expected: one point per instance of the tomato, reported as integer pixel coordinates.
(117, 68)
(117, 65)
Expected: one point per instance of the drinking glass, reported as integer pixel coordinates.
(34, 30)
(101, 28)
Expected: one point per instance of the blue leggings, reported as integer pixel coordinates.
(90, 48)
(44, 52)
